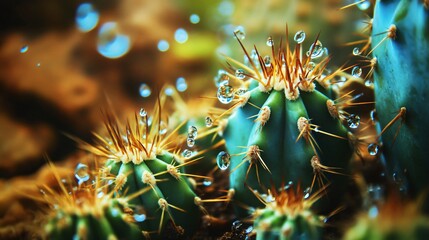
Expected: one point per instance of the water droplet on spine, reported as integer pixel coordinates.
(240, 91)
(86, 17)
(299, 37)
(373, 149)
(207, 182)
(162, 128)
(270, 42)
(356, 51)
(357, 71)
(267, 61)
(81, 173)
(190, 142)
(209, 121)
(239, 73)
(24, 49)
(239, 32)
(363, 5)
(192, 132)
(373, 115)
(144, 90)
(187, 153)
(143, 112)
(181, 84)
(225, 93)
(316, 50)
(353, 121)
(111, 43)
(223, 160)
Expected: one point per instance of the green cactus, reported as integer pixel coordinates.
(287, 215)
(284, 129)
(400, 43)
(141, 164)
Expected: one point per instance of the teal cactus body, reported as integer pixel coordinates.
(286, 130)
(402, 88)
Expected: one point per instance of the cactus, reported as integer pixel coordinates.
(284, 129)
(287, 215)
(400, 43)
(88, 211)
(143, 163)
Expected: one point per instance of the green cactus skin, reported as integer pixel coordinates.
(108, 223)
(287, 215)
(144, 167)
(272, 149)
(401, 80)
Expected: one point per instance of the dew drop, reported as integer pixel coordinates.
(100, 194)
(316, 50)
(373, 115)
(299, 37)
(221, 78)
(223, 160)
(181, 84)
(249, 230)
(81, 173)
(353, 121)
(194, 18)
(356, 51)
(373, 212)
(209, 121)
(363, 5)
(239, 73)
(207, 182)
(168, 91)
(192, 132)
(240, 92)
(187, 153)
(225, 93)
(236, 225)
(139, 217)
(226, 8)
(111, 43)
(357, 71)
(239, 32)
(163, 45)
(190, 142)
(143, 112)
(368, 83)
(144, 90)
(162, 127)
(373, 149)
(86, 17)
(181, 36)
(267, 61)
(307, 193)
(311, 66)
(24, 49)
(270, 42)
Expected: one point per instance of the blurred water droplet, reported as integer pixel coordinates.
(86, 17)
(111, 43)
(249, 230)
(181, 84)
(270, 42)
(299, 37)
(143, 112)
(373, 212)
(223, 160)
(363, 5)
(236, 225)
(375, 193)
(38, 64)
(168, 91)
(311, 66)
(239, 32)
(373, 149)
(139, 217)
(225, 93)
(356, 71)
(187, 153)
(194, 18)
(162, 127)
(163, 45)
(190, 142)
(100, 194)
(207, 182)
(24, 49)
(239, 73)
(144, 90)
(353, 121)
(81, 173)
(307, 193)
(316, 50)
(221, 78)
(240, 92)
(181, 35)
(226, 8)
(368, 83)
(209, 121)
(356, 51)
(267, 61)
(373, 115)
(192, 132)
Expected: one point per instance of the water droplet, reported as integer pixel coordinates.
(223, 160)
(38, 64)
(163, 45)
(86, 17)
(240, 91)
(356, 71)
(363, 5)
(353, 121)
(270, 42)
(181, 36)
(192, 132)
(144, 90)
(373, 212)
(143, 112)
(375, 193)
(81, 173)
(356, 51)
(139, 217)
(190, 142)
(368, 83)
(100, 194)
(111, 43)
(239, 73)
(239, 32)
(181, 84)
(311, 65)
(207, 182)
(187, 153)
(373, 149)
(316, 50)
(373, 115)
(307, 192)
(225, 93)
(194, 18)
(24, 49)
(226, 8)
(236, 225)
(299, 37)
(168, 91)
(221, 78)
(162, 127)
(249, 230)
(209, 121)
(267, 61)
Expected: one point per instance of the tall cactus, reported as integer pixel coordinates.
(284, 129)
(400, 43)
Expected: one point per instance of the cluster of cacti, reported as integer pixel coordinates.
(284, 129)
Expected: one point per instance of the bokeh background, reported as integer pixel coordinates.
(61, 61)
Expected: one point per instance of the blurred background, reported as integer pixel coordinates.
(61, 59)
